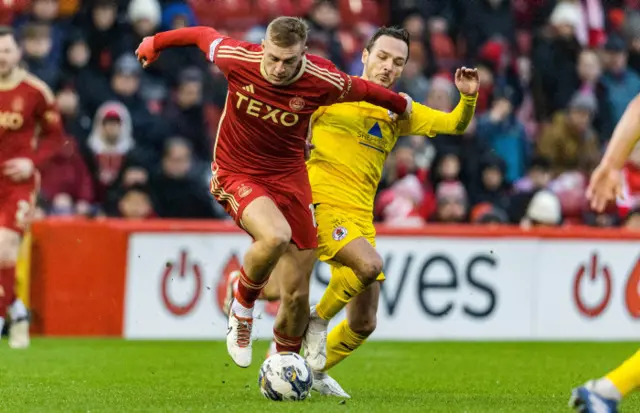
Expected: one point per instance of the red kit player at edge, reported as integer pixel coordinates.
(26, 107)
(259, 171)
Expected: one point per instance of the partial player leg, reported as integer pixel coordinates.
(9, 249)
(265, 223)
(607, 392)
(347, 336)
(366, 265)
(294, 269)
(19, 328)
(626, 378)
(262, 219)
(352, 332)
(270, 292)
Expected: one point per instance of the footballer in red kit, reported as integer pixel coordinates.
(30, 134)
(259, 171)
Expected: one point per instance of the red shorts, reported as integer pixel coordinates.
(17, 203)
(292, 196)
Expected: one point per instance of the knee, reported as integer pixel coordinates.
(368, 271)
(365, 325)
(278, 239)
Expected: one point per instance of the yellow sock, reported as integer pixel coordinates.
(341, 342)
(343, 286)
(626, 377)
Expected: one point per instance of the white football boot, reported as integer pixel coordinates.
(327, 386)
(239, 344)
(19, 334)
(315, 341)
(232, 286)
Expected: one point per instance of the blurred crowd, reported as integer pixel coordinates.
(556, 77)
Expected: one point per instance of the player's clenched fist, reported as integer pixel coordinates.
(18, 169)
(467, 81)
(146, 52)
(407, 113)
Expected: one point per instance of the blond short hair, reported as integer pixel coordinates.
(287, 31)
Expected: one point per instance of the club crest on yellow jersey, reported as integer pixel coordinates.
(339, 233)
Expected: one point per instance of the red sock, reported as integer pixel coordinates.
(7, 289)
(248, 290)
(286, 343)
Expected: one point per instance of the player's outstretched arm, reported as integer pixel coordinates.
(605, 184)
(430, 122)
(363, 90)
(201, 36)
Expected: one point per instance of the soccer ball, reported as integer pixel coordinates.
(285, 376)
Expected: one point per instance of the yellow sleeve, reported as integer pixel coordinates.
(318, 113)
(314, 118)
(430, 122)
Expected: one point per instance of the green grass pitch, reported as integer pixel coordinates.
(57, 375)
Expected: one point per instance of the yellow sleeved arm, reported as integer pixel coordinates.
(430, 122)
(318, 113)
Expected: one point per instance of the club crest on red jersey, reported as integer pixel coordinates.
(18, 104)
(296, 104)
(244, 191)
(339, 233)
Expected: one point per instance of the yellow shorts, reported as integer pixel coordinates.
(337, 228)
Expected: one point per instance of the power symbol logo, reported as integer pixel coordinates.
(179, 272)
(592, 272)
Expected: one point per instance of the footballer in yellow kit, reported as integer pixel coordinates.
(350, 144)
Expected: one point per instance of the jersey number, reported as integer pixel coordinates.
(312, 208)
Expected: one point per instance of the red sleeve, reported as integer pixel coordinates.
(208, 40)
(50, 138)
(357, 90)
(345, 88)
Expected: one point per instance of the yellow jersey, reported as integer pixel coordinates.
(352, 141)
